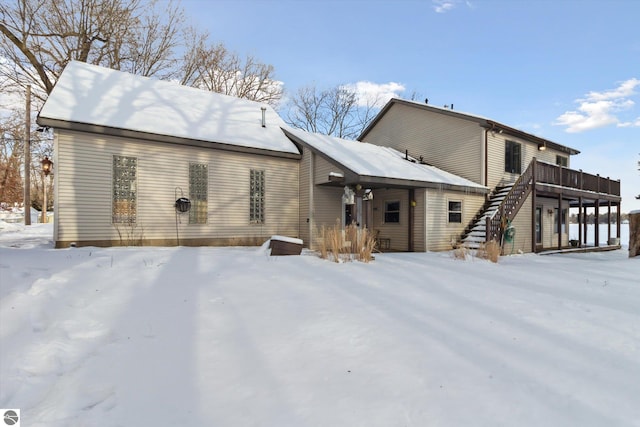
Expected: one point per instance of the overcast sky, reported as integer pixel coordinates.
(566, 70)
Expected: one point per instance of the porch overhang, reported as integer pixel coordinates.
(375, 182)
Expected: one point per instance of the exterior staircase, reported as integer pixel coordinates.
(476, 233)
(501, 207)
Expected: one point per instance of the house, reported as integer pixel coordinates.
(146, 162)
(531, 182)
(128, 148)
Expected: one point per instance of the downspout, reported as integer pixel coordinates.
(311, 206)
(426, 223)
(412, 215)
(486, 156)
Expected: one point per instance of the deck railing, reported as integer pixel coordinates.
(544, 173)
(547, 173)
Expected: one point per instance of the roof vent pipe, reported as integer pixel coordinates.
(264, 120)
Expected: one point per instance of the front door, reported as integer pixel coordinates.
(538, 225)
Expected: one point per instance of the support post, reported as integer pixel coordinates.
(27, 159)
(597, 223)
(560, 219)
(581, 219)
(608, 221)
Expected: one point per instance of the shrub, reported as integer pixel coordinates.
(346, 245)
(490, 250)
(460, 251)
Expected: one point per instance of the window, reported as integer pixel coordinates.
(564, 221)
(512, 157)
(392, 212)
(124, 185)
(562, 161)
(198, 189)
(455, 211)
(256, 197)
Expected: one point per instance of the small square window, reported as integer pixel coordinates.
(392, 212)
(455, 212)
(562, 161)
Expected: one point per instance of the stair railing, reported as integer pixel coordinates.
(511, 204)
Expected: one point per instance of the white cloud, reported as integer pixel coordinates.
(599, 109)
(375, 94)
(443, 6)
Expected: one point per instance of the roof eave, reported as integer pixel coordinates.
(127, 133)
(486, 123)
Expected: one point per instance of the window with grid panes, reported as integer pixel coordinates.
(256, 196)
(124, 190)
(198, 192)
(455, 211)
(392, 212)
(512, 157)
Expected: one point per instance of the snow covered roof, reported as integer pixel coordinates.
(482, 121)
(92, 95)
(375, 162)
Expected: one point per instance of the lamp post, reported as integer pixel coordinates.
(46, 170)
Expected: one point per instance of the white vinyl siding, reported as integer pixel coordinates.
(328, 209)
(442, 234)
(83, 198)
(523, 225)
(449, 143)
(322, 170)
(397, 232)
(529, 150)
(306, 220)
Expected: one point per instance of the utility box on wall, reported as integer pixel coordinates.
(634, 234)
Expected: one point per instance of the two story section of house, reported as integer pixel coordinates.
(532, 185)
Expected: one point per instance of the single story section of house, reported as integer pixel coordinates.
(409, 205)
(127, 148)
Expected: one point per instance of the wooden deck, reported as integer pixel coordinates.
(583, 249)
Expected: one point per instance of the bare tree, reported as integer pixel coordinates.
(11, 147)
(337, 111)
(12, 159)
(215, 68)
(41, 36)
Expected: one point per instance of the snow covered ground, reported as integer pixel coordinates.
(233, 337)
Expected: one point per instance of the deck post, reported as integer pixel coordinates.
(584, 225)
(560, 219)
(597, 222)
(618, 219)
(608, 222)
(581, 219)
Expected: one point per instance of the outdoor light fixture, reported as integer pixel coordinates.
(542, 146)
(46, 166)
